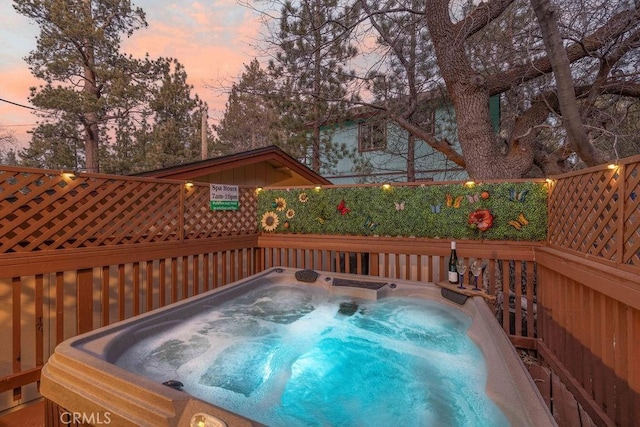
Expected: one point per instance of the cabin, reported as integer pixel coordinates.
(377, 148)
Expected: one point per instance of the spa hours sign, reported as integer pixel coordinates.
(223, 197)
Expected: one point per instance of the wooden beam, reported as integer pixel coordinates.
(15, 381)
(520, 251)
(607, 280)
(44, 262)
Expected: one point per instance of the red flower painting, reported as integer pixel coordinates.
(481, 219)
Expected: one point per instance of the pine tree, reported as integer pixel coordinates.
(100, 100)
(77, 55)
(53, 146)
(176, 119)
(251, 118)
(310, 65)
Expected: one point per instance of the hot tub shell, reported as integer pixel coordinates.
(80, 377)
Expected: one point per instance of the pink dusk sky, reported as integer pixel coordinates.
(212, 39)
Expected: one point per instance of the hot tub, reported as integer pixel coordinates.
(138, 372)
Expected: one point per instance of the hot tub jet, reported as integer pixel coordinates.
(348, 308)
(175, 384)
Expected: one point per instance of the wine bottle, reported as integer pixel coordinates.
(453, 260)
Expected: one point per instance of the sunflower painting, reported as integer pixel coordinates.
(303, 198)
(269, 221)
(290, 214)
(281, 204)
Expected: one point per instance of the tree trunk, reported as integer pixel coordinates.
(561, 66)
(470, 97)
(90, 115)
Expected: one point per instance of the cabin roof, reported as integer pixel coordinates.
(261, 166)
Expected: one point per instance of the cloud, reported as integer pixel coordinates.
(210, 38)
(14, 86)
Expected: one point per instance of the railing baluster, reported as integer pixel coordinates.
(174, 280)
(84, 304)
(223, 268)
(136, 288)
(185, 277)
(517, 304)
(530, 303)
(104, 295)
(215, 270)
(59, 307)
(121, 293)
(16, 287)
(506, 324)
(162, 282)
(205, 272)
(149, 286)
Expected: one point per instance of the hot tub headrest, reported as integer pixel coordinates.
(308, 276)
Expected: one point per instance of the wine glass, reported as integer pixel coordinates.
(462, 268)
(476, 269)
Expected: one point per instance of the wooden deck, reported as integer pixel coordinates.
(29, 414)
(566, 411)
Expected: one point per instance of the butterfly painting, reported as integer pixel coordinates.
(517, 196)
(520, 222)
(473, 199)
(342, 208)
(369, 225)
(436, 209)
(453, 203)
(321, 219)
(399, 206)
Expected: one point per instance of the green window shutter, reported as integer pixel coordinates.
(494, 112)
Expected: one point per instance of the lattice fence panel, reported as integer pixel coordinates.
(202, 222)
(631, 248)
(583, 214)
(44, 211)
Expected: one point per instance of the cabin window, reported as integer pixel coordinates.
(425, 119)
(372, 135)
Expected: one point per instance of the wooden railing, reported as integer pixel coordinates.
(79, 252)
(596, 212)
(42, 210)
(589, 333)
(509, 275)
(589, 292)
(84, 289)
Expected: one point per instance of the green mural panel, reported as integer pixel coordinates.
(503, 211)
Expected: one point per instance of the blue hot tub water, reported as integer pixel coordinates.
(287, 355)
